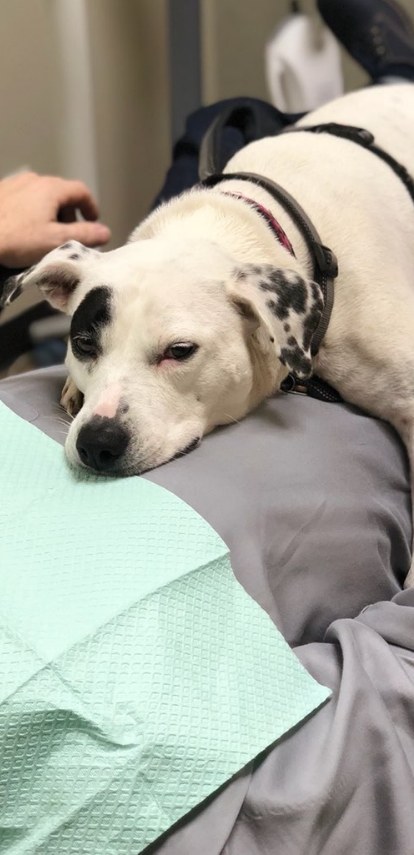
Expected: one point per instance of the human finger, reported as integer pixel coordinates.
(88, 233)
(76, 194)
(67, 214)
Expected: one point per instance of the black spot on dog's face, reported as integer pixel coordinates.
(309, 326)
(296, 303)
(77, 248)
(313, 317)
(290, 291)
(272, 305)
(295, 358)
(279, 307)
(90, 318)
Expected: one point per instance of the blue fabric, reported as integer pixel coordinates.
(183, 172)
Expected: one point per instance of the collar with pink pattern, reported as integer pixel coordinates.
(270, 219)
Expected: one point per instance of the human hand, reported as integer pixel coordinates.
(38, 213)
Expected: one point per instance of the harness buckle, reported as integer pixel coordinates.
(347, 132)
(326, 260)
(366, 137)
(288, 384)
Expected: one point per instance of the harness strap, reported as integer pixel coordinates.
(251, 119)
(364, 138)
(316, 387)
(325, 266)
(272, 222)
(256, 125)
(210, 163)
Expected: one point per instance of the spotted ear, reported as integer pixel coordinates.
(288, 309)
(57, 276)
(243, 297)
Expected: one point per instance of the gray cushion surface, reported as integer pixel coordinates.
(314, 502)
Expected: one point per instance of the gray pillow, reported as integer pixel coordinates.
(313, 500)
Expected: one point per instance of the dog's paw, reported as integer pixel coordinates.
(71, 398)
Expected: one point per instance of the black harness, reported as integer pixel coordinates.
(325, 267)
(364, 138)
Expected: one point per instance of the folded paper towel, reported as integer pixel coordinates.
(136, 675)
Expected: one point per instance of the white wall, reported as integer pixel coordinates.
(130, 73)
(44, 124)
(29, 86)
(130, 122)
(129, 85)
(129, 88)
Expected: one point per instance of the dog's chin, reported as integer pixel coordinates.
(78, 469)
(128, 466)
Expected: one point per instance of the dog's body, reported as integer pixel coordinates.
(203, 313)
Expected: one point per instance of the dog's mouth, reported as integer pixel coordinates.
(120, 470)
(190, 447)
(182, 453)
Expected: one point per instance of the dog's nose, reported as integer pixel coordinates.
(101, 442)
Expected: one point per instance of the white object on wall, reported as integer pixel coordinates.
(78, 138)
(303, 65)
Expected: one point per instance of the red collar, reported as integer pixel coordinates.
(270, 219)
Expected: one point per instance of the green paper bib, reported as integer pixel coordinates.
(136, 674)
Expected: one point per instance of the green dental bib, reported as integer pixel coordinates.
(136, 675)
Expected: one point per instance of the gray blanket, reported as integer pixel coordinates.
(313, 500)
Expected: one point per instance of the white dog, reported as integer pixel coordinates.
(204, 313)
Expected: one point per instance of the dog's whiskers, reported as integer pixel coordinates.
(231, 419)
(59, 409)
(62, 421)
(57, 418)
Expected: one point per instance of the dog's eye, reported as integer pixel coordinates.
(84, 345)
(180, 351)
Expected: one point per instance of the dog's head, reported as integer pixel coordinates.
(168, 342)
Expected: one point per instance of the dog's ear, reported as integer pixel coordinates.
(57, 276)
(57, 281)
(243, 296)
(281, 309)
